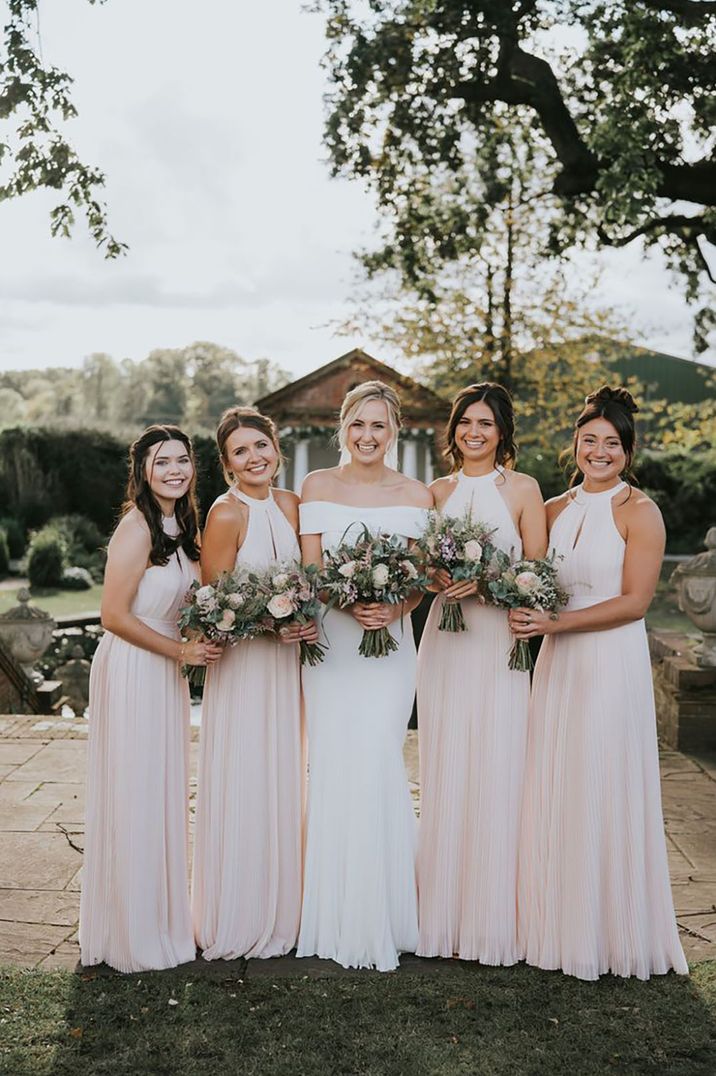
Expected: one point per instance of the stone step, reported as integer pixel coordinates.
(49, 695)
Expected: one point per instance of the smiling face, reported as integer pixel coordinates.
(599, 453)
(169, 471)
(252, 458)
(369, 435)
(477, 435)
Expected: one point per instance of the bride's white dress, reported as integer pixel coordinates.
(359, 895)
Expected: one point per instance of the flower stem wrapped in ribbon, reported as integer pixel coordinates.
(463, 548)
(291, 597)
(529, 584)
(226, 611)
(376, 568)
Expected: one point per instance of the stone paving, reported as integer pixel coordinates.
(42, 764)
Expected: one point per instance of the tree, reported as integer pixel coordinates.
(35, 104)
(428, 96)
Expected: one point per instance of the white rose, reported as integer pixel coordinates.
(235, 600)
(380, 575)
(348, 569)
(228, 619)
(473, 550)
(205, 596)
(280, 605)
(409, 568)
(527, 582)
(280, 579)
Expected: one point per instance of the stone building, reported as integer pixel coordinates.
(306, 412)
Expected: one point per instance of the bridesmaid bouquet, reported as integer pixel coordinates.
(462, 547)
(530, 584)
(231, 609)
(376, 568)
(291, 597)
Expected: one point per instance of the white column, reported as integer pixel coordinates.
(281, 478)
(410, 458)
(300, 463)
(428, 447)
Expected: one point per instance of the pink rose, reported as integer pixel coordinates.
(281, 605)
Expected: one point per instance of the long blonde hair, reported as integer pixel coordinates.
(354, 402)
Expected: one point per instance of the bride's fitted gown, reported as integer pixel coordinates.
(246, 889)
(472, 713)
(594, 893)
(134, 911)
(359, 901)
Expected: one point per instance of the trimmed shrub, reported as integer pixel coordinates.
(76, 579)
(46, 559)
(4, 554)
(15, 537)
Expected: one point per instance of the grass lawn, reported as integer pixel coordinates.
(470, 1020)
(57, 602)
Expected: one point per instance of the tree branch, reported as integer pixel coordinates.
(691, 10)
(688, 229)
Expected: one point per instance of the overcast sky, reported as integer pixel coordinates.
(207, 120)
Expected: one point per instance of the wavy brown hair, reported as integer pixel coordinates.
(616, 405)
(139, 495)
(233, 419)
(499, 401)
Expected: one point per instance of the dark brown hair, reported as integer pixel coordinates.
(233, 419)
(139, 495)
(499, 401)
(618, 407)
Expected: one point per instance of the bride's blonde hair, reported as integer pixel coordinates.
(356, 399)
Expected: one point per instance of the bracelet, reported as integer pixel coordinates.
(182, 653)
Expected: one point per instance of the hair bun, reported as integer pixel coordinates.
(619, 395)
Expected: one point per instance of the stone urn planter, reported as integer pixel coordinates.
(26, 632)
(695, 582)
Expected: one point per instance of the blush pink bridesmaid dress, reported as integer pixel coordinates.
(134, 909)
(472, 718)
(594, 893)
(246, 888)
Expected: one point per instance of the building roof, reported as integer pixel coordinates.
(315, 400)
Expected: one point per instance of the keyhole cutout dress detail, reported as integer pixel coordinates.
(246, 889)
(134, 911)
(472, 718)
(594, 892)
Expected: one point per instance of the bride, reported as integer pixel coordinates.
(359, 898)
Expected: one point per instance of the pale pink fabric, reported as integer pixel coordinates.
(134, 911)
(246, 888)
(594, 892)
(472, 713)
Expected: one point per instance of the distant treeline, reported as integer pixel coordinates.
(190, 386)
(50, 472)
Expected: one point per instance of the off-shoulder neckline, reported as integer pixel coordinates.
(366, 507)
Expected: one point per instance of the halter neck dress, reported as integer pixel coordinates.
(594, 893)
(359, 901)
(134, 909)
(472, 720)
(246, 888)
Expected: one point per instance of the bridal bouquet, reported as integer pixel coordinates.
(290, 594)
(226, 611)
(462, 547)
(376, 568)
(530, 584)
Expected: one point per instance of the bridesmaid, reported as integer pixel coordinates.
(594, 892)
(472, 709)
(247, 854)
(134, 910)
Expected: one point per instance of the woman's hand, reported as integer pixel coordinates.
(526, 623)
(297, 633)
(200, 652)
(463, 589)
(374, 615)
(440, 579)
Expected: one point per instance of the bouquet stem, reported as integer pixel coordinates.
(520, 656)
(195, 674)
(452, 618)
(377, 643)
(311, 653)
